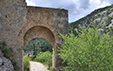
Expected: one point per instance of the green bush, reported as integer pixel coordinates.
(26, 66)
(26, 63)
(88, 51)
(45, 58)
(31, 58)
(51, 68)
(7, 50)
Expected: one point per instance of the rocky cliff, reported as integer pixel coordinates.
(102, 17)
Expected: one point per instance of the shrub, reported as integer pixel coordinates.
(51, 68)
(88, 51)
(45, 58)
(31, 58)
(26, 66)
(26, 63)
(7, 50)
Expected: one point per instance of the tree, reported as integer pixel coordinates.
(38, 45)
(88, 51)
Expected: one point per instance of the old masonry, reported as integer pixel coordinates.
(20, 23)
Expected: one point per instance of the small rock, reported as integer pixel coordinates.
(103, 22)
(97, 20)
(101, 30)
(111, 14)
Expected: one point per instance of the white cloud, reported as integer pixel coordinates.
(95, 4)
(104, 4)
(30, 3)
(77, 8)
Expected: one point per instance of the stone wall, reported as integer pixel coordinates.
(19, 24)
(12, 14)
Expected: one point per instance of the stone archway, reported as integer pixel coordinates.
(33, 30)
(45, 23)
(39, 31)
(42, 32)
(17, 20)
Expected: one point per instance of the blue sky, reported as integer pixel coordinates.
(77, 8)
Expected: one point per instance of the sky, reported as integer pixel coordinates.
(76, 8)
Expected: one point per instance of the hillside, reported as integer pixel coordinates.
(102, 17)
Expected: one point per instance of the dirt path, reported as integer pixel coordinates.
(36, 66)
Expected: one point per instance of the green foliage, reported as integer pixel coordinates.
(26, 58)
(59, 8)
(26, 66)
(31, 58)
(45, 58)
(38, 44)
(26, 63)
(88, 51)
(51, 68)
(3, 44)
(7, 50)
(15, 63)
(42, 51)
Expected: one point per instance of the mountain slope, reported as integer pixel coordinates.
(101, 16)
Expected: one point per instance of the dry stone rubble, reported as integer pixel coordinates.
(5, 64)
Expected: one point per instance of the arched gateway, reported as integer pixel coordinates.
(21, 23)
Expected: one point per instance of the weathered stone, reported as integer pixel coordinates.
(1, 61)
(5, 64)
(19, 24)
(3, 68)
(111, 8)
(111, 14)
(101, 30)
(110, 25)
(97, 20)
(103, 22)
(1, 54)
(104, 13)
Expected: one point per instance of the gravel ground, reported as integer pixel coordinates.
(37, 66)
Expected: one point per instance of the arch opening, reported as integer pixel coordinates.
(38, 50)
(37, 45)
(41, 32)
